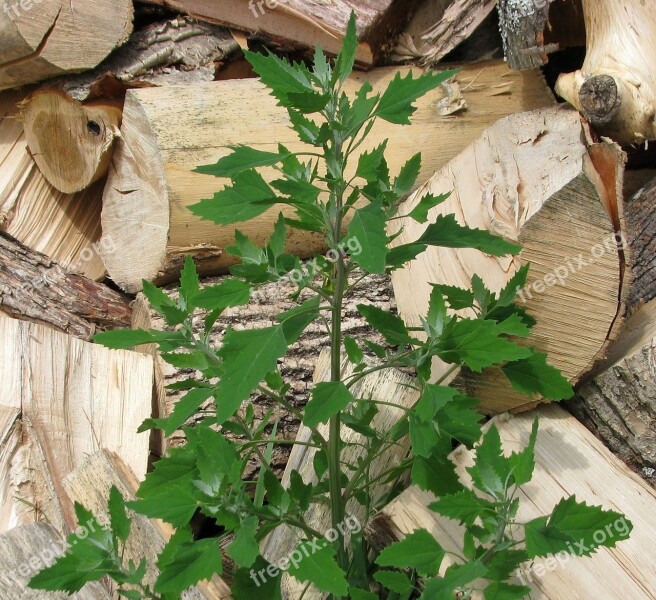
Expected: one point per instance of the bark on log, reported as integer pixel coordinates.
(71, 143)
(62, 398)
(531, 178)
(64, 227)
(152, 181)
(615, 89)
(27, 549)
(305, 23)
(569, 461)
(34, 288)
(43, 39)
(90, 485)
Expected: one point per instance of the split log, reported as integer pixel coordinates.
(532, 29)
(531, 178)
(615, 88)
(303, 23)
(62, 398)
(90, 485)
(387, 386)
(152, 183)
(64, 227)
(34, 288)
(50, 37)
(569, 461)
(619, 404)
(71, 143)
(26, 550)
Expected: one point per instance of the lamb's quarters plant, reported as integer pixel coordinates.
(466, 328)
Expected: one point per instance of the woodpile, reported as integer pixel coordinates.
(107, 110)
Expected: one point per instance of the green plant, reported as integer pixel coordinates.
(468, 328)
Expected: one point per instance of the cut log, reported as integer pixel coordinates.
(619, 404)
(64, 227)
(62, 398)
(532, 29)
(34, 288)
(533, 179)
(152, 182)
(50, 37)
(615, 88)
(71, 143)
(569, 461)
(390, 386)
(26, 550)
(90, 485)
(304, 23)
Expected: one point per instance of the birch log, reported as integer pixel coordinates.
(531, 178)
(152, 183)
(39, 40)
(615, 88)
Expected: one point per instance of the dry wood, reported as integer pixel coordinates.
(35, 288)
(27, 549)
(47, 38)
(615, 88)
(72, 398)
(64, 227)
(307, 23)
(619, 404)
(569, 461)
(152, 181)
(530, 178)
(386, 386)
(71, 143)
(90, 485)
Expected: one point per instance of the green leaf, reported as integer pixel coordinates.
(455, 578)
(184, 408)
(503, 563)
(408, 176)
(120, 523)
(436, 474)
(189, 282)
(296, 320)
(396, 102)
(320, 568)
(420, 212)
(308, 131)
(346, 59)
(419, 551)
(248, 197)
(463, 506)
(523, 463)
(456, 297)
(533, 375)
(357, 594)
(190, 563)
(124, 339)
(517, 282)
(369, 228)
(309, 102)
(505, 591)
(542, 540)
(395, 581)
(247, 357)
(328, 398)
(437, 316)
(244, 550)
(254, 583)
(228, 293)
(322, 69)
(491, 469)
(370, 162)
(353, 351)
(242, 158)
(390, 326)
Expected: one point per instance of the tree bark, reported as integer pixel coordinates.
(34, 288)
(48, 38)
(152, 182)
(531, 178)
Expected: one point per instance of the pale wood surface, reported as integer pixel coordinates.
(529, 178)
(90, 485)
(74, 398)
(569, 461)
(151, 183)
(62, 226)
(39, 40)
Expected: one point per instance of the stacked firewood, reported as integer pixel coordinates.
(108, 107)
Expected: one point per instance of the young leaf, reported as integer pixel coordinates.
(420, 212)
(418, 550)
(190, 563)
(120, 523)
(296, 320)
(395, 581)
(533, 375)
(390, 326)
(523, 463)
(184, 409)
(319, 567)
(463, 506)
(244, 549)
(436, 474)
(249, 584)
(491, 468)
(408, 176)
(457, 298)
(228, 293)
(505, 591)
(242, 159)
(328, 398)
(346, 59)
(353, 351)
(455, 577)
(369, 228)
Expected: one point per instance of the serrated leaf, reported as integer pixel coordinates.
(523, 463)
(328, 398)
(368, 226)
(184, 408)
(308, 131)
(419, 550)
(505, 591)
(247, 357)
(533, 375)
(455, 577)
(436, 474)
(358, 594)
(408, 176)
(309, 102)
(241, 159)
(251, 584)
(391, 327)
(491, 468)
(320, 568)
(542, 540)
(420, 212)
(353, 351)
(124, 339)
(464, 506)
(517, 282)
(395, 581)
(120, 523)
(346, 58)
(296, 320)
(370, 162)
(228, 293)
(244, 549)
(456, 297)
(190, 563)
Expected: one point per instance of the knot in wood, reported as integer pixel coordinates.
(600, 99)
